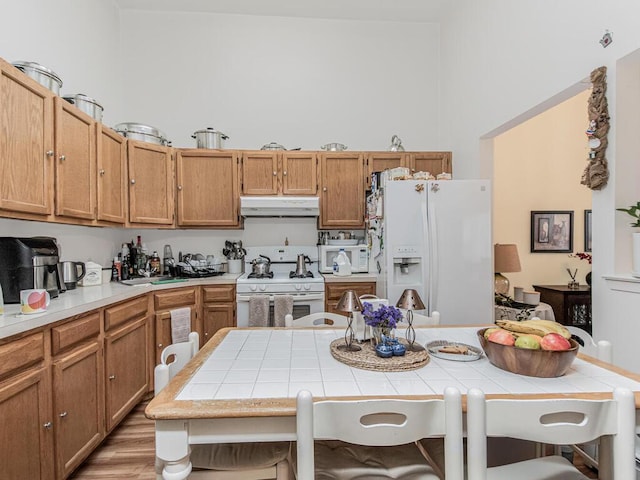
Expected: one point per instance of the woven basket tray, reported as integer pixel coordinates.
(367, 359)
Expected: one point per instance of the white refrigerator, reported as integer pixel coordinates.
(436, 237)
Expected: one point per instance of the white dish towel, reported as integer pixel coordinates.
(259, 311)
(282, 305)
(180, 324)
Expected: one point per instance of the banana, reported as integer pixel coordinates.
(535, 327)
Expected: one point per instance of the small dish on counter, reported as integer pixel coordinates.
(460, 352)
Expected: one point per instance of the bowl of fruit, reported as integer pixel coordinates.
(536, 348)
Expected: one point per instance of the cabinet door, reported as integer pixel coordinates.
(26, 143)
(126, 354)
(111, 158)
(217, 316)
(207, 184)
(432, 162)
(380, 161)
(333, 292)
(78, 409)
(150, 183)
(343, 190)
(163, 330)
(260, 173)
(26, 436)
(299, 173)
(75, 162)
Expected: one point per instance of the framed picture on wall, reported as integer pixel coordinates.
(587, 230)
(552, 231)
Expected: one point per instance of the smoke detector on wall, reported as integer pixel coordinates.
(606, 39)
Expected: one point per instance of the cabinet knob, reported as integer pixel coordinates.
(133, 181)
(275, 173)
(324, 189)
(284, 173)
(206, 334)
(159, 345)
(63, 414)
(49, 153)
(179, 187)
(62, 158)
(48, 425)
(112, 377)
(101, 172)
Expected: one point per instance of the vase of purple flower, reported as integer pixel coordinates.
(382, 320)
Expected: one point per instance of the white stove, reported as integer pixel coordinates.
(307, 291)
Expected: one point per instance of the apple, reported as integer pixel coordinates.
(554, 341)
(532, 342)
(489, 331)
(502, 337)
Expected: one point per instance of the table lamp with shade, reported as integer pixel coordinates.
(349, 302)
(505, 260)
(410, 300)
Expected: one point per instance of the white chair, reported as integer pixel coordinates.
(423, 320)
(381, 438)
(321, 319)
(554, 421)
(230, 461)
(601, 350)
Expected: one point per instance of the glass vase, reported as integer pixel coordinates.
(378, 335)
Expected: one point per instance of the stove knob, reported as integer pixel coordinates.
(253, 287)
(263, 288)
(298, 286)
(307, 287)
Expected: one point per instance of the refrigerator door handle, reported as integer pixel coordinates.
(429, 259)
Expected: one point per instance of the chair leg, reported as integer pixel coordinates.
(283, 470)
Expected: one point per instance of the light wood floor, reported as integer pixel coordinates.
(129, 452)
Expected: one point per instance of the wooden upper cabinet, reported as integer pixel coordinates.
(207, 184)
(75, 162)
(432, 162)
(279, 173)
(150, 183)
(260, 173)
(112, 175)
(26, 143)
(380, 161)
(343, 190)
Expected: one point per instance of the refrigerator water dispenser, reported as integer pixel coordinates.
(407, 270)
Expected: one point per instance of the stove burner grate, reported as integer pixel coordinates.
(260, 275)
(301, 275)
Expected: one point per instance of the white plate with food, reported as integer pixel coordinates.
(447, 350)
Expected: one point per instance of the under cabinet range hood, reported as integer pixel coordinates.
(283, 206)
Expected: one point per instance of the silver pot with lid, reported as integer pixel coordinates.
(272, 146)
(209, 138)
(396, 144)
(334, 147)
(86, 104)
(139, 131)
(41, 74)
(261, 266)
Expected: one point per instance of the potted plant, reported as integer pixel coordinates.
(381, 320)
(634, 211)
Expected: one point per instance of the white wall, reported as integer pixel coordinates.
(503, 59)
(298, 82)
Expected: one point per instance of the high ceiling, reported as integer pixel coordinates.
(377, 10)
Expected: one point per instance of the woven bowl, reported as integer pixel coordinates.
(523, 361)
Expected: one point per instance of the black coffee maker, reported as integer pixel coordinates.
(27, 263)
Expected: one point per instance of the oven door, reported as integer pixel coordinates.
(303, 304)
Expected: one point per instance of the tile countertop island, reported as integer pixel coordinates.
(84, 299)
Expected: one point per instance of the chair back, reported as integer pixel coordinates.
(601, 350)
(422, 320)
(173, 358)
(380, 422)
(321, 319)
(554, 421)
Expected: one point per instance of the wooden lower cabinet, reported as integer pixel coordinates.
(333, 292)
(166, 301)
(218, 309)
(127, 378)
(78, 407)
(26, 436)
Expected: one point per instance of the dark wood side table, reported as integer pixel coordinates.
(570, 306)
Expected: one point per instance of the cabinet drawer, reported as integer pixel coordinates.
(21, 353)
(69, 334)
(119, 314)
(334, 291)
(175, 298)
(219, 293)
